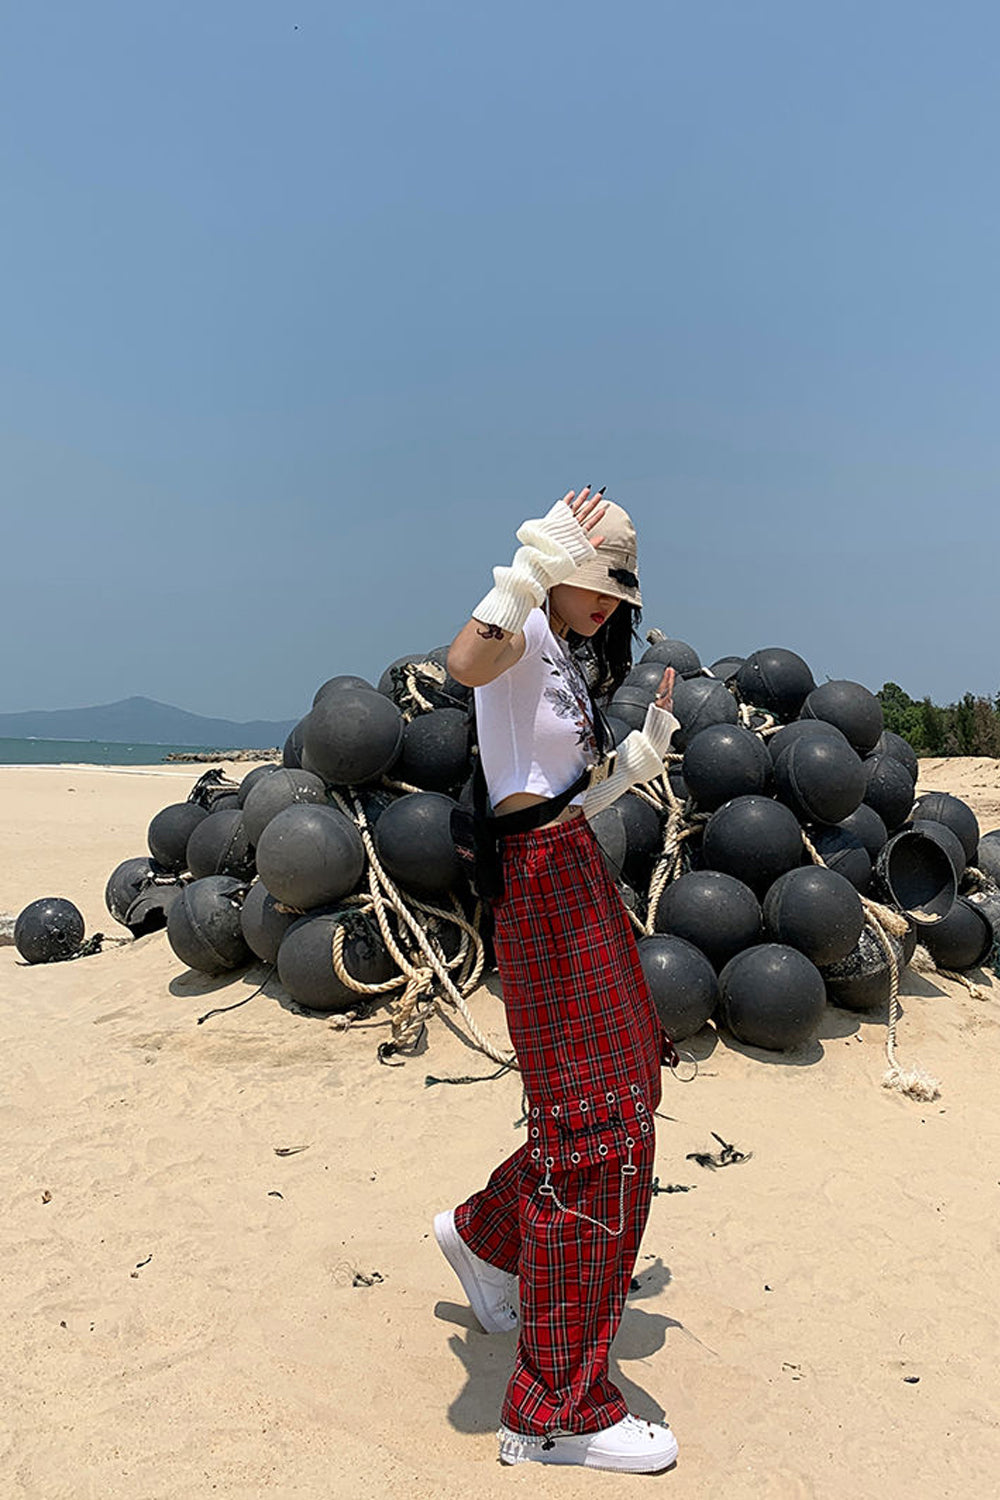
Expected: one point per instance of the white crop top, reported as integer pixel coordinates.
(534, 721)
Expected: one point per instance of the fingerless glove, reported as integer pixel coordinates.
(638, 758)
(553, 548)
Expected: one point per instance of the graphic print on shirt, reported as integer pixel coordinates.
(570, 699)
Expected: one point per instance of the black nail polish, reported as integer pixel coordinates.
(602, 489)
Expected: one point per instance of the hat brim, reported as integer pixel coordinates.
(597, 573)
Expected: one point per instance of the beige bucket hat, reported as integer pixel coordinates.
(615, 568)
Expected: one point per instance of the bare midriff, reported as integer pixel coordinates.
(517, 801)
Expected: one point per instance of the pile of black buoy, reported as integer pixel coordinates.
(787, 808)
(798, 816)
(275, 869)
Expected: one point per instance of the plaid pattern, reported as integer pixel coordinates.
(589, 1043)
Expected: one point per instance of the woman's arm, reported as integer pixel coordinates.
(552, 549)
(641, 754)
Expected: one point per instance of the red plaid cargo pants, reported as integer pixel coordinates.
(568, 1209)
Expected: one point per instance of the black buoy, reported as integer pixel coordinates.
(775, 680)
(608, 828)
(219, 846)
(855, 711)
(918, 877)
(961, 940)
(436, 750)
(251, 779)
(352, 736)
(949, 841)
(772, 996)
(48, 930)
(169, 833)
(861, 980)
(151, 908)
(291, 755)
(305, 960)
(643, 838)
(646, 675)
(888, 789)
(682, 984)
(677, 654)
(619, 728)
(754, 839)
(310, 856)
(263, 924)
(865, 824)
(717, 913)
(724, 761)
(802, 729)
(820, 779)
(890, 743)
(413, 841)
(203, 925)
(955, 814)
(698, 703)
(842, 850)
(988, 854)
(272, 795)
(726, 668)
(629, 704)
(337, 684)
(816, 911)
(126, 881)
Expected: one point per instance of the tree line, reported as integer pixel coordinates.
(971, 727)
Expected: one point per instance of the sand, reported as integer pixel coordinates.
(187, 1313)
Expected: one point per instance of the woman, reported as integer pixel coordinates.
(562, 1218)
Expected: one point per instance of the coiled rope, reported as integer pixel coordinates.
(424, 982)
(887, 924)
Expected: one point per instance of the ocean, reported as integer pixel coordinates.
(86, 752)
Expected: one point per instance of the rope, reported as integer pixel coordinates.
(887, 924)
(422, 981)
(923, 962)
(682, 823)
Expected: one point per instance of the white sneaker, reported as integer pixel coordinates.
(492, 1293)
(631, 1445)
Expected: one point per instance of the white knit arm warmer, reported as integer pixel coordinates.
(638, 758)
(553, 548)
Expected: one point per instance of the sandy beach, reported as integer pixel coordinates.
(188, 1313)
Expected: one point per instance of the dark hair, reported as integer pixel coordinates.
(610, 650)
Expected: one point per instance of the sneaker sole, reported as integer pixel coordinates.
(512, 1452)
(459, 1257)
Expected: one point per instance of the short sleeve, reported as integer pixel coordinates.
(536, 633)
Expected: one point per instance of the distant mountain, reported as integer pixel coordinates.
(146, 722)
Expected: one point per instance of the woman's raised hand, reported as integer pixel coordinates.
(665, 692)
(588, 510)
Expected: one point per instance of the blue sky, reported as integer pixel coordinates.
(305, 306)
